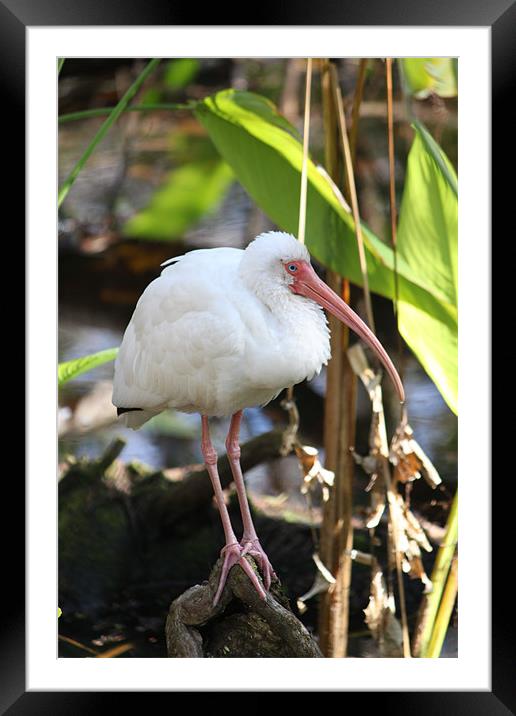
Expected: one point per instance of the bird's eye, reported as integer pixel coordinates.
(292, 268)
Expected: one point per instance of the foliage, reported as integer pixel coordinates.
(73, 368)
(427, 241)
(423, 76)
(265, 153)
(180, 72)
(266, 157)
(187, 195)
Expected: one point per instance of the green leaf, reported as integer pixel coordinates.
(438, 155)
(179, 73)
(423, 76)
(266, 157)
(151, 97)
(427, 241)
(187, 195)
(72, 368)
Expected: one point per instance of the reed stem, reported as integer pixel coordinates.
(443, 617)
(350, 174)
(304, 169)
(370, 317)
(355, 111)
(430, 605)
(102, 111)
(106, 125)
(339, 431)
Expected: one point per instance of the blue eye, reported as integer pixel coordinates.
(292, 268)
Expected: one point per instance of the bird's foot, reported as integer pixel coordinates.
(233, 554)
(253, 548)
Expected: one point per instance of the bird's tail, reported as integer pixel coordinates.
(135, 417)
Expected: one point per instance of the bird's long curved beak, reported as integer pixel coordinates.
(311, 286)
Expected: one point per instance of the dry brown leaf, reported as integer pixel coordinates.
(313, 471)
(381, 618)
(409, 459)
(323, 581)
(415, 568)
(410, 463)
(378, 503)
(415, 531)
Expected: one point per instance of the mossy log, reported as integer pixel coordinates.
(241, 625)
(131, 535)
(189, 488)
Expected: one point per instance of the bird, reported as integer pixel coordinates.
(221, 330)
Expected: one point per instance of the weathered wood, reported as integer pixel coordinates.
(241, 625)
(190, 488)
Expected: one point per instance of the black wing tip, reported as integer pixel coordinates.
(121, 411)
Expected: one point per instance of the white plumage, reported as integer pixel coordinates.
(219, 331)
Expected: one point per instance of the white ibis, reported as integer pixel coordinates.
(224, 329)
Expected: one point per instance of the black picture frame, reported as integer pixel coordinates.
(15, 17)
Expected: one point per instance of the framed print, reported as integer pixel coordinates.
(155, 138)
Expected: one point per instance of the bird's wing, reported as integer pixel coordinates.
(172, 260)
(179, 344)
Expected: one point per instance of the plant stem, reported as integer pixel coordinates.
(391, 497)
(339, 431)
(430, 604)
(60, 63)
(77, 644)
(357, 101)
(392, 182)
(304, 178)
(392, 203)
(304, 169)
(443, 617)
(352, 192)
(101, 111)
(394, 519)
(106, 125)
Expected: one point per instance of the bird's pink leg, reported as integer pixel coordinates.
(250, 543)
(232, 551)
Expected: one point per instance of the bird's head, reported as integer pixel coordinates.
(286, 263)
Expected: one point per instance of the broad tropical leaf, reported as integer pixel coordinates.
(266, 156)
(427, 241)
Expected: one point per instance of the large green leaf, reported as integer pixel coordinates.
(427, 241)
(72, 368)
(266, 156)
(186, 196)
(423, 76)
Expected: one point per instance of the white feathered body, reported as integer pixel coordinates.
(219, 331)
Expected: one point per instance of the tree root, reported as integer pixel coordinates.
(241, 625)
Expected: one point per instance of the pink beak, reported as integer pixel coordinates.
(308, 284)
